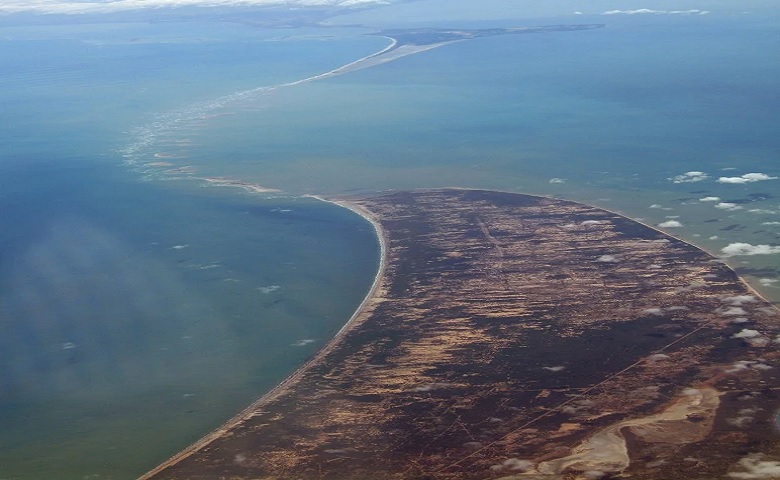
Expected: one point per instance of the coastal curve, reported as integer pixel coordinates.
(518, 337)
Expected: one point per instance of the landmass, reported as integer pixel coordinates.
(520, 337)
(408, 41)
(429, 36)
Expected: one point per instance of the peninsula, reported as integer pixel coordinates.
(520, 337)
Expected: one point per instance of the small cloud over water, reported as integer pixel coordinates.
(728, 206)
(746, 178)
(690, 177)
(670, 224)
(740, 248)
(646, 11)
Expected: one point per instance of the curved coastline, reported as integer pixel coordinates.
(747, 284)
(363, 310)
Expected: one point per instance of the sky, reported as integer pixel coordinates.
(449, 8)
(72, 7)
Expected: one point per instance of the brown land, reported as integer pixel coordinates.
(520, 337)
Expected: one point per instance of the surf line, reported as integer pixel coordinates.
(168, 122)
(372, 299)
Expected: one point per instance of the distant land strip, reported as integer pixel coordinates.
(511, 336)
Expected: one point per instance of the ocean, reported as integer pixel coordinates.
(142, 305)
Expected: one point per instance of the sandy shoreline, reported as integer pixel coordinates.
(401, 348)
(719, 257)
(363, 311)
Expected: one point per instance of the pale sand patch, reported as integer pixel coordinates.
(607, 451)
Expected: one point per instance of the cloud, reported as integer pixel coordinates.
(740, 299)
(430, 386)
(555, 369)
(514, 464)
(728, 206)
(641, 11)
(767, 282)
(690, 177)
(710, 199)
(746, 178)
(747, 333)
(755, 339)
(742, 365)
(607, 259)
(739, 248)
(110, 6)
(733, 311)
(755, 467)
(557, 180)
(658, 356)
(670, 224)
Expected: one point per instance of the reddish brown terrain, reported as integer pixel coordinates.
(519, 337)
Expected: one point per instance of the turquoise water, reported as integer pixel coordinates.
(136, 316)
(139, 310)
(613, 113)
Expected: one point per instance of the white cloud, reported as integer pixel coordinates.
(514, 464)
(607, 259)
(593, 222)
(109, 6)
(557, 368)
(740, 299)
(770, 223)
(754, 338)
(755, 467)
(746, 178)
(670, 224)
(641, 11)
(728, 206)
(747, 333)
(430, 386)
(767, 282)
(710, 199)
(658, 356)
(690, 177)
(557, 180)
(739, 248)
(733, 311)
